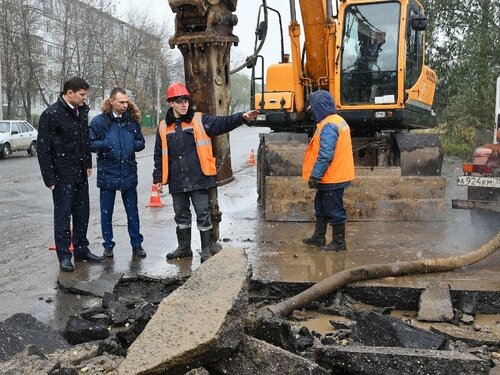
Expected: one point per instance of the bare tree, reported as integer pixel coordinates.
(26, 50)
(44, 42)
(7, 33)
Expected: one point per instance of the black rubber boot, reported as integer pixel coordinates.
(206, 244)
(184, 248)
(338, 242)
(318, 238)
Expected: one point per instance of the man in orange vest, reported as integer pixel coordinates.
(328, 167)
(183, 159)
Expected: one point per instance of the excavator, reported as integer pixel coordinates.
(370, 55)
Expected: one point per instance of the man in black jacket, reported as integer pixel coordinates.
(66, 163)
(184, 160)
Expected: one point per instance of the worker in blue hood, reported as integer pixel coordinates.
(328, 167)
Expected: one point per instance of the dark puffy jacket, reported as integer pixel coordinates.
(184, 165)
(116, 140)
(63, 144)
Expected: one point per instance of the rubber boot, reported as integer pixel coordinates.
(338, 241)
(184, 248)
(318, 238)
(206, 244)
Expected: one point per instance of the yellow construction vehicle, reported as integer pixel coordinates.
(370, 55)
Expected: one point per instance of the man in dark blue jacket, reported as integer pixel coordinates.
(115, 135)
(66, 163)
(183, 159)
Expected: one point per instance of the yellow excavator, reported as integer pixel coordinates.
(370, 55)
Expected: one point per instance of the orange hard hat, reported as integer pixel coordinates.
(175, 90)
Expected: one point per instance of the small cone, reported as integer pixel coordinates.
(251, 159)
(71, 248)
(53, 247)
(155, 200)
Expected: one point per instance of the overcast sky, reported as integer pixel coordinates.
(246, 11)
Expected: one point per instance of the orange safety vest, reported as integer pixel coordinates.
(201, 139)
(341, 168)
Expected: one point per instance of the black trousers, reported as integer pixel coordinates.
(71, 201)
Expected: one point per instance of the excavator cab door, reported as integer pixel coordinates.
(369, 60)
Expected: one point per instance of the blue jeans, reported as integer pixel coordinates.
(330, 204)
(182, 209)
(129, 198)
(71, 201)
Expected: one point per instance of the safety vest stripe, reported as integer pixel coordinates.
(203, 142)
(342, 124)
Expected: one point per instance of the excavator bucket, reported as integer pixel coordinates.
(420, 154)
(377, 193)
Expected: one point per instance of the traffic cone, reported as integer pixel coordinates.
(71, 248)
(251, 159)
(155, 200)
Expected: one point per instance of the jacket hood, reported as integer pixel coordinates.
(170, 118)
(132, 110)
(322, 104)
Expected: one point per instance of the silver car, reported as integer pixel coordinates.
(16, 135)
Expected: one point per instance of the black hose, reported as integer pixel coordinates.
(257, 50)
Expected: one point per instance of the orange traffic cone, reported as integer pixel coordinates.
(155, 200)
(251, 159)
(53, 247)
(71, 248)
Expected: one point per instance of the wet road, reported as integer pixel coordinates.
(29, 271)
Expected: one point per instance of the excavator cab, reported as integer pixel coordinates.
(370, 56)
(383, 81)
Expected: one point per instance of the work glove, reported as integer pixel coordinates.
(313, 182)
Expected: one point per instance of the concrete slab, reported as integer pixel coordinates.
(96, 286)
(468, 335)
(397, 361)
(374, 329)
(258, 357)
(203, 320)
(435, 303)
(21, 330)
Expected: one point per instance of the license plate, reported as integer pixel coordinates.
(491, 182)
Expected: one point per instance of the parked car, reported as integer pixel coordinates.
(17, 135)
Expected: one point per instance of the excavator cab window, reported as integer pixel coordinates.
(370, 53)
(414, 46)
